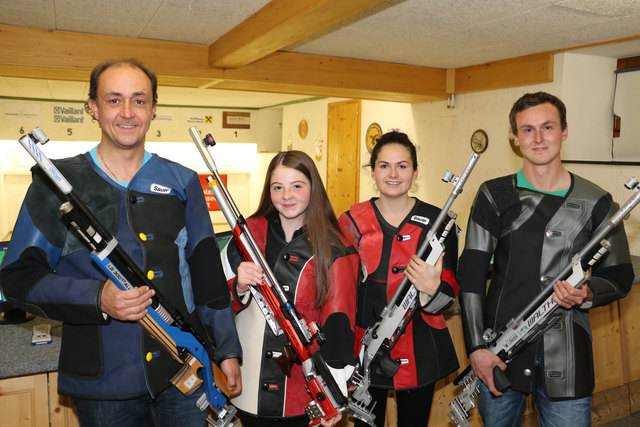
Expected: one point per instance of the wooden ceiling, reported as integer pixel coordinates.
(249, 57)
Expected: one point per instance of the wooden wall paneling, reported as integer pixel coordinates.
(630, 334)
(610, 405)
(607, 346)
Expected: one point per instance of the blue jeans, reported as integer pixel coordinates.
(170, 409)
(507, 410)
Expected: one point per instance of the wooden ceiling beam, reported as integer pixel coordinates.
(521, 71)
(342, 74)
(61, 55)
(277, 25)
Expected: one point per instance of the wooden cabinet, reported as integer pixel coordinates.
(24, 401)
(33, 401)
(61, 411)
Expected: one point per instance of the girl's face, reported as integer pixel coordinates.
(290, 194)
(394, 171)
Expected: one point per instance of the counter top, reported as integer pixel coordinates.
(19, 357)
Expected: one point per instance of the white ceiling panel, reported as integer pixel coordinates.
(28, 13)
(78, 91)
(199, 21)
(6, 89)
(114, 17)
(612, 8)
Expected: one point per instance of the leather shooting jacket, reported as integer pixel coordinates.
(532, 236)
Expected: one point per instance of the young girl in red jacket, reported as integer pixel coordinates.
(299, 235)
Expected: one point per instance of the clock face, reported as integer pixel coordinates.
(479, 141)
(374, 131)
(303, 128)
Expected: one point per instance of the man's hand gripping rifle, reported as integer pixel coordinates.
(537, 317)
(171, 328)
(281, 315)
(380, 338)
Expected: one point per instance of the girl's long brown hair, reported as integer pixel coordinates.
(321, 223)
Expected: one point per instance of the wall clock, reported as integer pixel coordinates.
(479, 141)
(303, 129)
(374, 131)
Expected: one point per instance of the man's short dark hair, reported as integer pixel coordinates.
(101, 67)
(529, 100)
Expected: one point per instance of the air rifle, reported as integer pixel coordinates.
(537, 317)
(164, 323)
(381, 337)
(280, 313)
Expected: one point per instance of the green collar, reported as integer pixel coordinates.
(522, 182)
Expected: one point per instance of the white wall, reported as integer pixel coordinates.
(587, 91)
(389, 115)
(67, 121)
(268, 123)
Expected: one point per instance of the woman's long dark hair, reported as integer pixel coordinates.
(320, 221)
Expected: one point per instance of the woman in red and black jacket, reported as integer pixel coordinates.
(299, 235)
(388, 230)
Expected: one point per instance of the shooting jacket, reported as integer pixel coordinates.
(425, 350)
(266, 390)
(162, 222)
(532, 236)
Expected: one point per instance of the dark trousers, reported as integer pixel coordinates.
(170, 409)
(414, 406)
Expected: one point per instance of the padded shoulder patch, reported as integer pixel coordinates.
(496, 203)
(44, 199)
(503, 193)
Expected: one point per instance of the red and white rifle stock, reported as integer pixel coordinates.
(281, 315)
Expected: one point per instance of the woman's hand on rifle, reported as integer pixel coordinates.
(425, 277)
(249, 274)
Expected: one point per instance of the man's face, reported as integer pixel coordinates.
(540, 135)
(124, 105)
